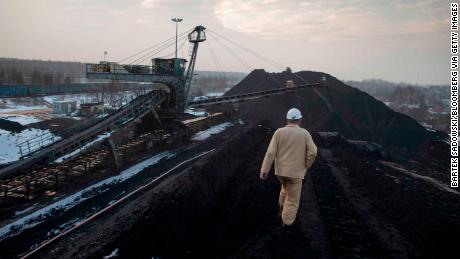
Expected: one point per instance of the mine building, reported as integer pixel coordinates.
(64, 107)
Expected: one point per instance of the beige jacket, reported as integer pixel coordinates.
(293, 150)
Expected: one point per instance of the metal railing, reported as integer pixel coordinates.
(36, 143)
(39, 142)
(84, 132)
(114, 68)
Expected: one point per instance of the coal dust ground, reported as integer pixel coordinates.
(351, 207)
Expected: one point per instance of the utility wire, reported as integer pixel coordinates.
(266, 59)
(238, 58)
(276, 64)
(178, 48)
(216, 60)
(151, 47)
(158, 49)
(257, 55)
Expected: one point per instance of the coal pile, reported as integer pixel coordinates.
(362, 198)
(353, 205)
(11, 126)
(337, 107)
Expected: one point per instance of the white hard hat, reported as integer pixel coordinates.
(293, 114)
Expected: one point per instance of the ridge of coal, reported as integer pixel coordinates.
(336, 107)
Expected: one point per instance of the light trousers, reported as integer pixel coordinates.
(291, 189)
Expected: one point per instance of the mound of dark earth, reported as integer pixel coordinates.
(58, 125)
(355, 204)
(337, 107)
(11, 126)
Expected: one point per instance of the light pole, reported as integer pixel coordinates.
(176, 20)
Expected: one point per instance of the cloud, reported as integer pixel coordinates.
(353, 38)
(170, 4)
(325, 20)
(148, 3)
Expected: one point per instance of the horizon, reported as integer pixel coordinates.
(402, 83)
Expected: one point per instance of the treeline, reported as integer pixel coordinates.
(427, 104)
(22, 71)
(401, 92)
(378, 88)
(15, 77)
(208, 82)
(45, 72)
(417, 96)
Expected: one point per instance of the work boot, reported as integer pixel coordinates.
(295, 224)
(287, 230)
(288, 226)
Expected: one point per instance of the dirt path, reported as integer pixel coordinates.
(427, 179)
(370, 233)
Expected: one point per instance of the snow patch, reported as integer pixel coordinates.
(195, 112)
(123, 98)
(71, 201)
(24, 211)
(215, 94)
(112, 255)
(202, 135)
(9, 148)
(10, 109)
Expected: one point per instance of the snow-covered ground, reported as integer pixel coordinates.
(9, 148)
(202, 135)
(39, 216)
(22, 108)
(8, 106)
(114, 254)
(20, 104)
(11, 109)
(216, 94)
(196, 112)
(8, 109)
(79, 98)
(21, 119)
(125, 97)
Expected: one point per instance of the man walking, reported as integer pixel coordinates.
(294, 152)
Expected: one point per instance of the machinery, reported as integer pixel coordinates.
(171, 72)
(165, 104)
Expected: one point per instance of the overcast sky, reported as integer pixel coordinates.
(396, 40)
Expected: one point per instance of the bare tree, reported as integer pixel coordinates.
(48, 78)
(37, 77)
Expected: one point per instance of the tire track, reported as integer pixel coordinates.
(350, 226)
